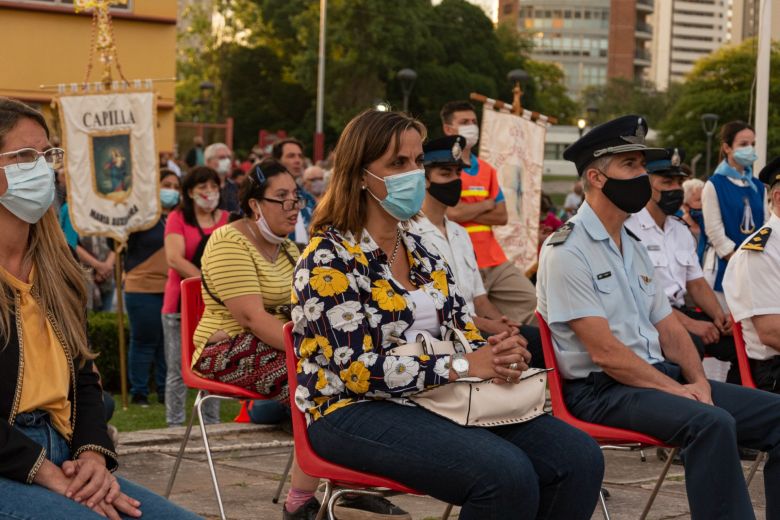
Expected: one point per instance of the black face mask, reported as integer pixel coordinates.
(670, 201)
(448, 193)
(629, 195)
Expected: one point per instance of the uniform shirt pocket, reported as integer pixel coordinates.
(605, 282)
(686, 258)
(647, 284)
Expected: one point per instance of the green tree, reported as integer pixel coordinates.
(721, 83)
(622, 96)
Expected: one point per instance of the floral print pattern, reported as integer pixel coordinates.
(350, 311)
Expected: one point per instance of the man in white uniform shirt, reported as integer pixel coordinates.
(672, 250)
(451, 241)
(752, 288)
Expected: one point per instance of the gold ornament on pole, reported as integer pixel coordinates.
(103, 42)
(102, 37)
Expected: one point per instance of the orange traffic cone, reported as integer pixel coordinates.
(243, 414)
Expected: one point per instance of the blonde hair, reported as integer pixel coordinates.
(365, 139)
(59, 285)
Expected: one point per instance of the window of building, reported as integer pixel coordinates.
(507, 8)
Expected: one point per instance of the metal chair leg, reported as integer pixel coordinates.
(278, 493)
(181, 451)
(642, 455)
(603, 502)
(447, 511)
(659, 483)
(325, 499)
(754, 467)
(198, 404)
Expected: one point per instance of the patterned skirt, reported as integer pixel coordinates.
(247, 362)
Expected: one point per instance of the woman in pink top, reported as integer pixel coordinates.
(186, 234)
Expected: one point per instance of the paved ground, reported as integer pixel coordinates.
(250, 461)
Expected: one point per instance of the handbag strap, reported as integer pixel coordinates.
(458, 338)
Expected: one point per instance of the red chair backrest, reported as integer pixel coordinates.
(742, 358)
(191, 311)
(602, 434)
(311, 463)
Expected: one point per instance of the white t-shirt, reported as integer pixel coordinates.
(425, 316)
(457, 250)
(752, 286)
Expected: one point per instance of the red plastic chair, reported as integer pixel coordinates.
(747, 381)
(338, 479)
(604, 435)
(191, 311)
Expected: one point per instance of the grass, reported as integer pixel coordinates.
(139, 418)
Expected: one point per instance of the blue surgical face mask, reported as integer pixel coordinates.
(745, 156)
(30, 192)
(405, 193)
(168, 197)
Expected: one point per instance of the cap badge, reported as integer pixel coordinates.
(639, 134)
(457, 151)
(676, 158)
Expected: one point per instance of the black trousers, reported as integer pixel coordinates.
(723, 350)
(707, 435)
(766, 374)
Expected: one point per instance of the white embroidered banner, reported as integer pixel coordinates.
(111, 162)
(515, 147)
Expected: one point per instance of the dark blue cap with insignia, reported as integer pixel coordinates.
(624, 134)
(669, 165)
(445, 150)
(770, 173)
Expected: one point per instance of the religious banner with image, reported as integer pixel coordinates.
(514, 145)
(111, 163)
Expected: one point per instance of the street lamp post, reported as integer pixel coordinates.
(581, 123)
(407, 77)
(709, 122)
(206, 88)
(593, 112)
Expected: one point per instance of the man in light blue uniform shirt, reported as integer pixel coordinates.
(627, 360)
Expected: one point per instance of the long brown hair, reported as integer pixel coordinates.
(365, 139)
(59, 284)
(728, 133)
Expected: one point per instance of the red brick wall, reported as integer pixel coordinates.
(622, 40)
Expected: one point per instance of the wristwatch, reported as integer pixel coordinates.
(460, 364)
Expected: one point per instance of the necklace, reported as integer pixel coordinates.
(395, 248)
(249, 226)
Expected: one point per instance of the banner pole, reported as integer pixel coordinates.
(120, 321)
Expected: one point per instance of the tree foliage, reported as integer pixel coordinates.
(263, 60)
(721, 84)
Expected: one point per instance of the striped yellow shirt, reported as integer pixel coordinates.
(233, 267)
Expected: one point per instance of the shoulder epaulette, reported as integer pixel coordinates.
(759, 240)
(561, 235)
(631, 234)
(681, 220)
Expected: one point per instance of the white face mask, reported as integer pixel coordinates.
(470, 133)
(30, 192)
(223, 166)
(265, 230)
(208, 200)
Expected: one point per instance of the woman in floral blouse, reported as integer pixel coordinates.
(361, 286)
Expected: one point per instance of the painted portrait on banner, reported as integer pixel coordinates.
(112, 174)
(515, 147)
(111, 162)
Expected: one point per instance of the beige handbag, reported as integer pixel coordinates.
(470, 401)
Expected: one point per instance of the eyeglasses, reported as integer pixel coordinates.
(27, 157)
(289, 204)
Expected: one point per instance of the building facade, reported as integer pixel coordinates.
(745, 17)
(53, 48)
(591, 40)
(684, 32)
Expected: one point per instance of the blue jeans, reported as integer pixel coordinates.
(542, 468)
(147, 345)
(268, 411)
(175, 389)
(707, 435)
(33, 502)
